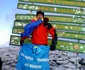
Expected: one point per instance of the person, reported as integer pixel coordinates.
(37, 53)
(40, 34)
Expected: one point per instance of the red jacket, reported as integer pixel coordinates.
(40, 34)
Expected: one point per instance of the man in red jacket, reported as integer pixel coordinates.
(40, 33)
(35, 56)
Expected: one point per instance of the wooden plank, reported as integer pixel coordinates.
(66, 27)
(51, 18)
(62, 45)
(57, 2)
(51, 9)
(60, 34)
(20, 23)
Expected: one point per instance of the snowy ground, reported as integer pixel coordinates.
(59, 60)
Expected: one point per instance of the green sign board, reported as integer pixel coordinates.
(57, 2)
(62, 45)
(69, 28)
(62, 34)
(51, 18)
(50, 9)
(18, 28)
(65, 27)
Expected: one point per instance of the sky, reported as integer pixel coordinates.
(8, 9)
(7, 12)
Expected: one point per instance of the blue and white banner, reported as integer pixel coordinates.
(33, 57)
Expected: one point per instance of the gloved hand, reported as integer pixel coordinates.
(46, 20)
(52, 47)
(54, 42)
(46, 24)
(21, 42)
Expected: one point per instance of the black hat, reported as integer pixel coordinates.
(40, 12)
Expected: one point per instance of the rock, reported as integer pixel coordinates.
(59, 60)
(69, 69)
(69, 65)
(59, 68)
(72, 60)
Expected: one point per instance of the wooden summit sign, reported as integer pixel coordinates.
(70, 29)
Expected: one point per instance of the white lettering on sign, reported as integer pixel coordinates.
(55, 9)
(32, 7)
(33, 66)
(25, 6)
(83, 29)
(36, 8)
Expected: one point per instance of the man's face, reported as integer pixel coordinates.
(39, 16)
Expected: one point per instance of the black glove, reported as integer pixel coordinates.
(21, 42)
(52, 47)
(46, 20)
(48, 25)
(54, 42)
